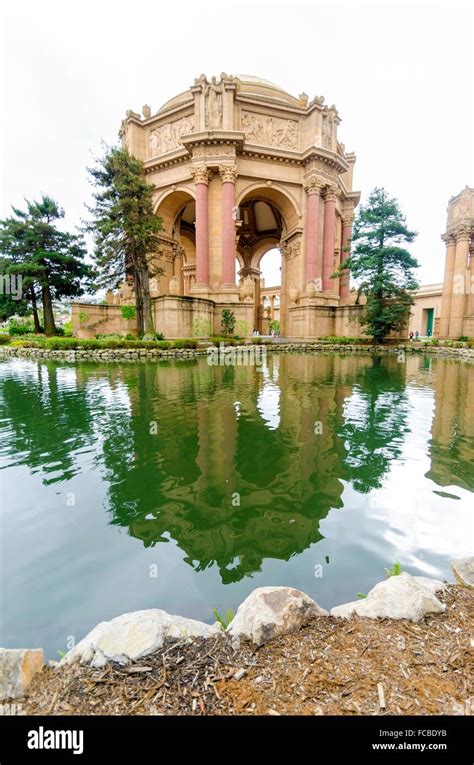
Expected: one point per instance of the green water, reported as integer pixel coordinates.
(184, 486)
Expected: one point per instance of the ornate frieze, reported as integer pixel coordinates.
(167, 137)
(270, 131)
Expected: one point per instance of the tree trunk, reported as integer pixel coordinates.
(35, 311)
(49, 325)
(146, 308)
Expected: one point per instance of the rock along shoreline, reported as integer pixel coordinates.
(267, 616)
(139, 354)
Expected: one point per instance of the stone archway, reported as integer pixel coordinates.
(269, 219)
(177, 210)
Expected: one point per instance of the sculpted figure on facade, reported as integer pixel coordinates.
(214, 92)
(270, 131)
(168, 137)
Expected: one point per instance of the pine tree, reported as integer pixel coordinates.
(50, 261)
(382, 266)
(125, 228)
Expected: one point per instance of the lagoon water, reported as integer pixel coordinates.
(184, 486)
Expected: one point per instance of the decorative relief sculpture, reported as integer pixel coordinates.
(270, 131)
(168, 137)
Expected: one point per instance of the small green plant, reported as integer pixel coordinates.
(158, 336)
(224, 621)
(394, 570)
(463, 338)
(4, 339)
(202, 328)
(82, 316)
(128, 312)
(361, 595)
(61, 654)
(228, 321)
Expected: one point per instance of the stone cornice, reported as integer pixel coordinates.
(213, 138)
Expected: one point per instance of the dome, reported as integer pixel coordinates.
(265, 90)
(248, 85)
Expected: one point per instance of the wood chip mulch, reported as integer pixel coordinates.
(329, 666)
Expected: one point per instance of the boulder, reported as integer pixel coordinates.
(463, 570)
(131, 636)
(398, 597)
(272, 611)
(18, 666)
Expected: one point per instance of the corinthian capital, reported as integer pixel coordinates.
(200, 173)
(347, 217)
(313, 185)
(228, 173)
(331, 193)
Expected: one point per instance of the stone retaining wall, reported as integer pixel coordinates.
(134, 354)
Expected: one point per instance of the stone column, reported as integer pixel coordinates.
(201, 180)
(329, 236)
(344, 280)
(313, 260)
(450, 241)
(460, 278)
(228, 174)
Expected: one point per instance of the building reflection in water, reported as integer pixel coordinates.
(246, 461)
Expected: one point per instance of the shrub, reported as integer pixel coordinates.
(185, 343)
(4, 339)
(463, 338)
(128, 311)
(158, 336)
(228, 321)
(20, 326)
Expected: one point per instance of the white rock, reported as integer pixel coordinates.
(398, 597)
(463, 570)
(133, 635)
(18, 666)
(272, 611)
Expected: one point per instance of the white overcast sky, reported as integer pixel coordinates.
(400, 74)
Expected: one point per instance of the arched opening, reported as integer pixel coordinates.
(178, 246)
(266, 216)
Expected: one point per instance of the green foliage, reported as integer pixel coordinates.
(61, 654)
(344, 340)
(463, 338)
(159, 336)
(125, 228)
(382, 266)
(20, 326)
(185, 343)
(82, 316)
(228, 321)
(49, 260)
(275, 325)
(202, 328)
(67, 327)
(224, 620)
(218, 339)
(361, 595)
(395, 569)
(4, 339)
(128, 312)
(104, 342)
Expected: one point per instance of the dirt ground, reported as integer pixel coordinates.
(329, 666)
